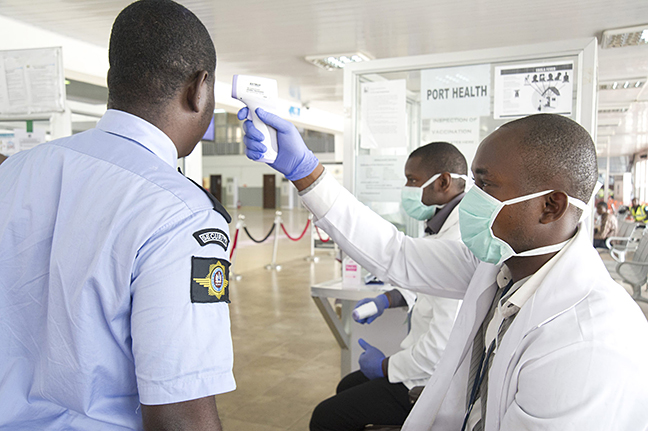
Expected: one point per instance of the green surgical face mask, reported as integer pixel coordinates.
(411, 199)
(477, 213)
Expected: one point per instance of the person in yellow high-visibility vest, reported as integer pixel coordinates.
(639, 211)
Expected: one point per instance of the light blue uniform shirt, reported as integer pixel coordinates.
(96, 254)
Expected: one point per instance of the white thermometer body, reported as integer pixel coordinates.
(256, 93)
(364, 311)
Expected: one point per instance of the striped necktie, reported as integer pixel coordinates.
(480, 362)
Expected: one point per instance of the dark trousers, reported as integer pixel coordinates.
(599, 243)
(359, 402)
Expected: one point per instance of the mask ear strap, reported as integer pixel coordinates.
(432, 179)
(526, 197)
(578, 203)
(460, 176)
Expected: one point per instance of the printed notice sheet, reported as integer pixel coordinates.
(380, 178)
(527, 89)
(31, 81)
(462, 132)
(384, 114)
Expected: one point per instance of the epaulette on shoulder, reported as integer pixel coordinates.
(218, 207)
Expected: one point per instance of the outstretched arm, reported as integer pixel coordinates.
(442, 268)
(200, 414)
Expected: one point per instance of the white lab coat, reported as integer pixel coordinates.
(431, 322)
(573, 358)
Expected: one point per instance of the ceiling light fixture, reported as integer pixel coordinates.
(621, 37)
(623, 84)
(337, 61)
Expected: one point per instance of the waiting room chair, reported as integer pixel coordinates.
(626, 240)
(635, 270)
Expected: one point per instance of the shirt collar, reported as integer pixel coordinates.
(523, 289)
(141, 131)
(435, 223)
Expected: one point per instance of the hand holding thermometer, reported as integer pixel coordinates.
(256, 93)
(364, 311)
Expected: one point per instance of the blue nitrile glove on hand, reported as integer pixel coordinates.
(371, 361)
(294, 159)
(381, 301)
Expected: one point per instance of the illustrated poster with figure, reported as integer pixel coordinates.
(527, 89)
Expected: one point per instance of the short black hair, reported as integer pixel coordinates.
(557, 150)
(602, 204)
(156, 46)
(439, 157)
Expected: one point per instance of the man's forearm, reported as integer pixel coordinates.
(305, 182)
(396, 299)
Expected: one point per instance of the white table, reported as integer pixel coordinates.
(385, 333)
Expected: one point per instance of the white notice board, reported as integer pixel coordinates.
(32, 81)
(526, 89)
(462, 91)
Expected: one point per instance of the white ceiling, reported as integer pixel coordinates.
(271, 38)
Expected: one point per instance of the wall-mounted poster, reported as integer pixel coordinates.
(526, 89)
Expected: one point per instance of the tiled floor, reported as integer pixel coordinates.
(285, 359)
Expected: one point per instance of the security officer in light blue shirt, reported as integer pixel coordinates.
(114, 266)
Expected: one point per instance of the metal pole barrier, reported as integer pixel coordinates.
(277, 223)
(239, 226)
(312, 257)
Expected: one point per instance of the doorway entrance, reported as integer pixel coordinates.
(216, 186)
(269, 192)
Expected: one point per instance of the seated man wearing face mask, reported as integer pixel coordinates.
(378, 393)
(544, 339)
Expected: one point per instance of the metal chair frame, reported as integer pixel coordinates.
(627, 241)
(635, 271)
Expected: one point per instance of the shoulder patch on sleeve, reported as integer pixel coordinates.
(209, 280)
(212, 236)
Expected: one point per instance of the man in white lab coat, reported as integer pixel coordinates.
(378, 392)
(545, 339)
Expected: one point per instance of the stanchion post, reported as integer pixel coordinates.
(312, 257)
(277, 223)
(240, 224)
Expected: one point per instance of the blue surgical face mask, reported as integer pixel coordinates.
(477, 213)
(411, 199)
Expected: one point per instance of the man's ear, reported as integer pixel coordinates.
(556, 205)
(197, 91)
(444, 181)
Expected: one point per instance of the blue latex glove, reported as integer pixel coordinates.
(294, 159)
(371, 361)
(381, 301)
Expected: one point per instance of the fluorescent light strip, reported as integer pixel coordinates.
(336, 61)
(622, 37)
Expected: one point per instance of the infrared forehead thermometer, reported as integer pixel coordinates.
(256, 93)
